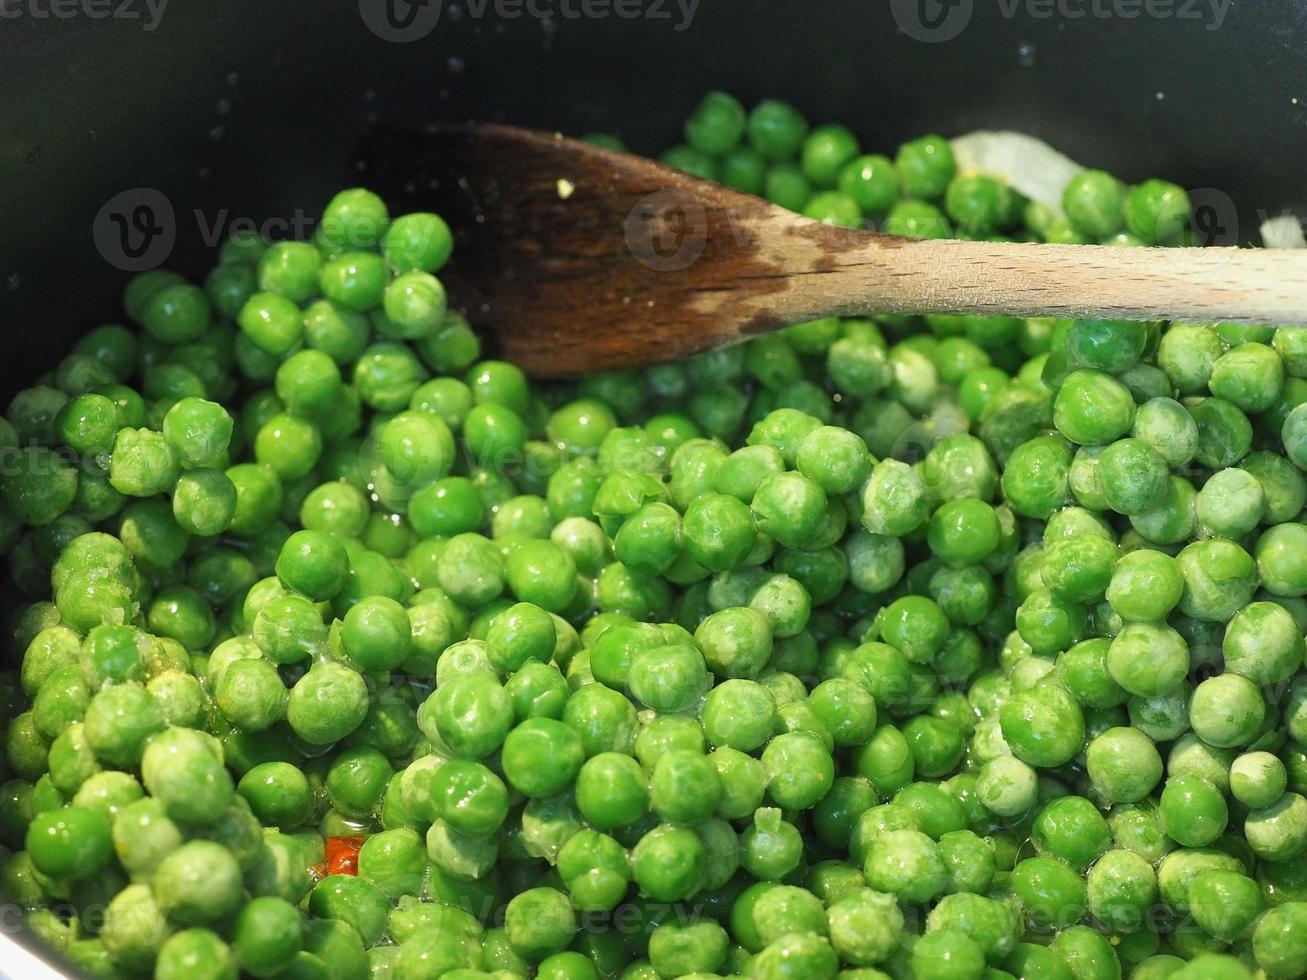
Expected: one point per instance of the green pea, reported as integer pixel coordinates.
(825, 152)
(1133, 476)
(1156, 212)
(906, 863)
(1257, 779)
(1226, 710)
(716, 125)
(1035, 481)
(718, 531)
(612, 791)
(697, 947)
(1044, 725)
(195, 953)
(1219, 579)
(1007, 786)
(267, 933)
(1147, 659)
(1123, 764)
(1049, 624)
(541, 757)
(743, 780)
(327, 703)
(134, 927)
(771, 847)
(978, 204)
(895, 499)
(198, 882)
(669, 678)
(250, 694)
(278, 793)
(1049, 890)
(1094, 202)
(871, 181)
(1224, 432)
(668, 863)
(1121, 889)
(1275, 939)
(915, 626)
(925, 166)
(948, 953)
(776, 129)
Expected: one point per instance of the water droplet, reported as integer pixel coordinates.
(370, 95)
(233, 78)
(1161, 96)
(456, 64)
(1026, 54)
(13, 281)
(222, 107)
(454, 14)
(217, 133)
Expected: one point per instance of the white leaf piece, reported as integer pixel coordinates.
(1028, 164)
(1283, 231)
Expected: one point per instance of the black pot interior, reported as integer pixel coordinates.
(256, 112)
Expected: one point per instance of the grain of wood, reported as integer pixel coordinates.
(582, 259)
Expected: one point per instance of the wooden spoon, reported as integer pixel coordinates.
(584, 259)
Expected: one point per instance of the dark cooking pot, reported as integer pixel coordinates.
(137, 132)
(255, 111)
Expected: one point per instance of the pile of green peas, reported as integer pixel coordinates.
(947, 647)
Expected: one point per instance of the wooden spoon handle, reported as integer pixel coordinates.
(888, 274)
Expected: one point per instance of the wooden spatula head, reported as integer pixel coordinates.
(582, 259)
(579, 258)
